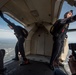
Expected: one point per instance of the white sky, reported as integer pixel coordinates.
(6, 34)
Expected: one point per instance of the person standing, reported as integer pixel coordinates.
(18, 31)
(59, 30)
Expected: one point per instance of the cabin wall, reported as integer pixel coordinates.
(31, 31)
(41, 42)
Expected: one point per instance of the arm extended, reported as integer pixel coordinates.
(6, 20)
(68, 20)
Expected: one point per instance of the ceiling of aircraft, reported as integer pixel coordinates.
(28, 12)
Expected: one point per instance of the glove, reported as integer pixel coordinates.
(1, 14)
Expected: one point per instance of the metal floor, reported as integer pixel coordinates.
(38, 66)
